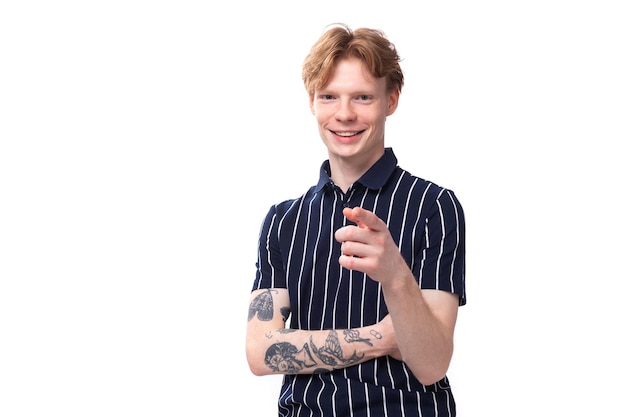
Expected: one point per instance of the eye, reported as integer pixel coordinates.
(363, 97)
(326, 97)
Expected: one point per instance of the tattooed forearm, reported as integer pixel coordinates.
(284, 357)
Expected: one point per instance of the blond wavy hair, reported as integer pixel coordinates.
(339, 42)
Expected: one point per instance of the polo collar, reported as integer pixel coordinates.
(374, 178)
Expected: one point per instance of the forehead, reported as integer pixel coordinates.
(352, 73)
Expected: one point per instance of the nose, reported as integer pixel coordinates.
(345, 112)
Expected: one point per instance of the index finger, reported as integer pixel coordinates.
(363, 218)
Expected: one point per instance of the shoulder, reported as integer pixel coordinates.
(429, 193)
(422, 185)
(283, 207)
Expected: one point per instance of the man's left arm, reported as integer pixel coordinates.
(423, 320)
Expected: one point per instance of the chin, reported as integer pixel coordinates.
(344, 149)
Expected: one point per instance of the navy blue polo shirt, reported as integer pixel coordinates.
(297, 251)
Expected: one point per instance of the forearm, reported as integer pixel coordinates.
(287, 351)
(425, 339)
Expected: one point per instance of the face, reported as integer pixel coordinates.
(351, 111)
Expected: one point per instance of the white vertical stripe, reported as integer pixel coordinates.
(441, 243)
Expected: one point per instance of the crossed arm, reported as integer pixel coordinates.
(418, 330)
(270, 348)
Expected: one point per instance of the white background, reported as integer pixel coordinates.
(143, 141)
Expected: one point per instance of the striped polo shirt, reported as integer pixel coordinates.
(297, 251)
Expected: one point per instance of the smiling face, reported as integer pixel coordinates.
(351, 111)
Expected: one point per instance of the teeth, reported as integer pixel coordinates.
(346, 133)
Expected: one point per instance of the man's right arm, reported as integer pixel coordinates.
(273, 349)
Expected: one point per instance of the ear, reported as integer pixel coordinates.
(312, 104)
(392, 104)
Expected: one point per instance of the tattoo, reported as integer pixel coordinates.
(283, 331)
(285, 357)
(350, 336)
(376, 334)
(262, 306)
(331, 353)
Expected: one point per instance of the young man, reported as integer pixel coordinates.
(367, 268)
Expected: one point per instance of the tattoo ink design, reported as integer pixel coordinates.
(376, 334)
(350, 336)
(331, 353)
(285, 357)
(285, 331)
(262, 306)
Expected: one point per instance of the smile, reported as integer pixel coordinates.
(347, 134)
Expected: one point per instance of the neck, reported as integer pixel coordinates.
(345, 171)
